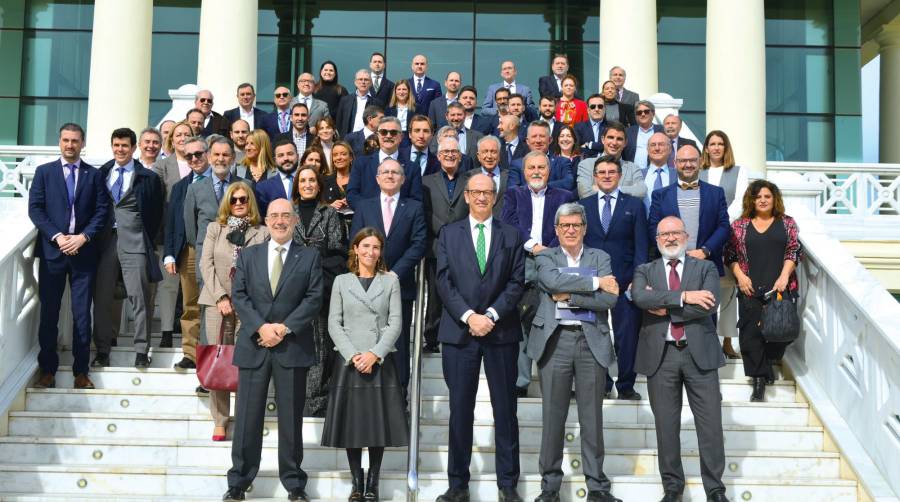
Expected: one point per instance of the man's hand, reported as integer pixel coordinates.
(537, 249)
(170, 269)
(479, 325)
(73, 244)
(268, 336)
(365, 362)
(662, 312)
(702, 298)
(697, 253)
(560, 297)
(224, 306)
(608, 283)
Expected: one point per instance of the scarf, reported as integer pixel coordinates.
(237, 229)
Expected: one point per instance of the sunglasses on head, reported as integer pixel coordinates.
(194, 155)
(241, 199)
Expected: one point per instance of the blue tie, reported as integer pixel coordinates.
(596, 131)
(70, 184)
(606, 216)
(220, 187)
(117, 186)
(418, 86)
(290, 179)
(658, 183)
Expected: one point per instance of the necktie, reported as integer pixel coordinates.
(282, 122)
(198, 177)
(70, 184)
(621, 93)
(277, 265)
(220, 187)
(417, 159)
(596, 131)
(418, 85)
(117, 186)
(289, 187)
(671, 160)
(606, 216)
(388, 214)
(509, 152)
(658, 183)
(675, 285)
(377, 82)
(480, 248)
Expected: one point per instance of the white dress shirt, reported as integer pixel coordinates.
(650, 180)
(511, 86)
(247, 116)
(360, 107)
(272, 253)
(640, 146)
(467, 122)
(402, 114)
(127, 176)
(574, 261)
(679, 269)
(487, 250)
(382, 155)
(537, 218)
(737, 205)
(614, 197)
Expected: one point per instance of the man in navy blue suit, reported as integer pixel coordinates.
(481, 274)
(468, 97)
(349, 116)
(68, 204)
(382, 88)
(551, 85)
(280, 186)
(531, 210)
(700, 206)
(420, 133)
(538, 140)
(617, 224)
(424, 88)
(279, 121)
(363, 172)
(402, 221)
(246, 96)
(589, 133)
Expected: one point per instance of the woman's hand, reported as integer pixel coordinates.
(744, 284)
(224, 306)
(781, 284)
(365, 362)
(339, 204)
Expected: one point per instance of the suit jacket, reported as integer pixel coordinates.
(346, 113)
(713, 229)
(362, 184)
(217, 125)
(626, 113)
(290, 136)
(582, 295)
(357, 141)
(499, 200)
(519, 151)
(432, 164)
(295, 303)
(547, 87)
(462, 287)
(361, 320)
(385, 90)
(480, 122)
(48, 209)
(560, 173)
(201, 208)
(517, 211)
(404, 245)
(437, 112)
(269, 123)
(235, 113)
(472, 137)
(629, 97)
(440, 207)
(631, 182)
(431, 90)
(584, 134)
(631, 134)
(168, 172)
(270, 189)
(626, 239)
(650, 290)
(217, 260)
(490, 104)
(318, 109)
(174, 236)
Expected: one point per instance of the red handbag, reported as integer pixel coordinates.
(214, 367)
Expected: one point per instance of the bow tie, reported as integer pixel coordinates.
(689, 186)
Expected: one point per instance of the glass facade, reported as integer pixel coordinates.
(812, 56)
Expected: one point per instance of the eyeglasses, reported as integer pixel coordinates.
(282, 94)
(205, 100)
(570, 226)
(391, 172)
(388, 132)
(595, 107)
(643, 112)
(241, 199)
(686, 162)
(487, 194)
(671, 235)
(448, 152)
(306, 81)
(194, 155)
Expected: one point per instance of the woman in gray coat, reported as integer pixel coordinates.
(366, 408)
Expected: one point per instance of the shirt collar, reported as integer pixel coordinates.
(540, 193)
(614, 195)
(382, 155)
(576, 259)
(385, 197)
(645, 130)
(206, 174)
(285, 176)
(77, 163)
(273, 245)
(473, 222)
(129, 167)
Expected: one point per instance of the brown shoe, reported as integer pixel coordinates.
(83, 382)
(46, 381)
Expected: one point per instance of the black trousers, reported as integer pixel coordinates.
(433, 306)
(756, 352)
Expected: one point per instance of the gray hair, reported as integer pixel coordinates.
(150, 130)
(489, 137)
(617, 68)
(675, 116)
(441, 144)
(197, 139)
(387, 119)
(569, 209)
(445, 129)
(540, 123)
(535, 154)
(388, 159)
(217, 139)
(200, 91)
(646, 103)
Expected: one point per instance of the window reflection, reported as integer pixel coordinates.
(443, 57)
(173, 63)
(528, 19)
(799, 80)
(40, 118)
(417, 19)
(345, 17)
(56, 63)
(800, 138)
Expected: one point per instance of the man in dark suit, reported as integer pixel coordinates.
(437, 110)
(443, 201)
(281, 185)
(547, 113)
(589, 134)
(468, 97)
(277, 292)
(672, 127)
(467, 138)
(489, 148)
(480, 271)
(698, 204)
(68, 204)
(617, 75)
(213, 122)
(512, 145)
(508, 74)
(420, 133)
(678, 348)
(551, 85)
(350, 108)
(299, 133)
(530, 208)
(363, 185)
(357, 139)
(636, 136)
(425, 89)
(617, 224)
(246, 96)
(126, 246)
(402, 222)
(382, 88)
(538, 140)
(279, 121)
(632, 179)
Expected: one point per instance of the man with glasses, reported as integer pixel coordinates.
(617, 224)
(572, 345)
(638, 135)
(402, 221)
(246, 109)
(489, 155)
(589, 133)
(658, 174)
(316, 108)
(501, 99)
(538, 141)
(700, 206)
(279, 121)
(363, 182)
(350, 108)
(678, 348)
(213, 122)
(480, 276)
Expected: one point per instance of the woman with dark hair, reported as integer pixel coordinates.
(614, 110)
(328, 89)
(335, 192)
(326, 135)
(763, 253)
(320, 227)
(717, 168)
(314, 156)
(566, 144)
(569, 109)
(402, 104)
(366, 405)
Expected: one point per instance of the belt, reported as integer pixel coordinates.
(680, 344)
(569, 327)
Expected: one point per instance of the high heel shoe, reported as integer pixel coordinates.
(359, 483)
(728, 350)
(371, 486)
(218, 434)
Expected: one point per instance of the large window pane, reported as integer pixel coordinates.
(178, 16)
(443, 57)
(696, 122)
(158, 110)
(682, 74)
(11, 61)
(681, 21)
(71, 15)
(430, 20)
(13, 14)
(39, 119)
(531, 59)
(349, 54)
(590, 27)
(276, 16)
(799, 80)
(274, 67)
(799, 22)
(523, 20)
(800, 138)
(9, 126)
(56, 64)
(343, 17)
(173, 63)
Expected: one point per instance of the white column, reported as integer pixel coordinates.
(119, 88)
(628, 39)
(736, 78)
(889, 99)
(227, 54)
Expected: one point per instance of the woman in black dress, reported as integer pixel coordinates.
(366, 405)
(763, 253)
(336, 183)
(328, 89)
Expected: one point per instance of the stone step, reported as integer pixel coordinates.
(179, 483)
(204, 453)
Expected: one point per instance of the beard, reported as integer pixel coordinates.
(671, 253)
(536, 184)
(287, 168)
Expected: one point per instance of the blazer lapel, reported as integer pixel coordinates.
(361, 294)
(290, 261)
(468, 245)
(398, 216)
(495, 244)
(262, 266)
(618, 211)
(82, 181)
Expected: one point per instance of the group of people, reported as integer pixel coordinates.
(295, 236)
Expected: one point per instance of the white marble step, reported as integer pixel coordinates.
(178, 482)
(204, 453)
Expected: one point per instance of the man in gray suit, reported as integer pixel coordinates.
(570, 349)
(678, 346)
(617, 75)
(488, 157)
(508, 73)
(318, 109)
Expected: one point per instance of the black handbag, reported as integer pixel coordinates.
(779, 321)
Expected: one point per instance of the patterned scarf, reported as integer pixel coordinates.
(237, 229)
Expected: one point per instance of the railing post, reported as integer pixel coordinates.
(412, 476)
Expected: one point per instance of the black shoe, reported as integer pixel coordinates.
(521, 391)
(185, 364)
(114, 342)
(629, 395)
(359, 486)
(770, 378)
(234, 493)
(547, 496)
(759, 390)
(717, 497)
(598, 496)
(142, 361)
(371, 486)
(509, 494)
(101, 360)
(201, 390)
(166, 341)
(454, 495)
(431, 349)
(671, 497)
(298, 494)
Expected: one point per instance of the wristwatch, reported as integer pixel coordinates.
(490, 315)
(706, 252)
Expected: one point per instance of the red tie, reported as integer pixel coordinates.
(675, 285)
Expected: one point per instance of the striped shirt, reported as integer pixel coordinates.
(689, 207)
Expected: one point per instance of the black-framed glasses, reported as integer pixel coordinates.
(595, 107)
(388, 132)
(670, 235)
(241, 199)
(194, 155)
(570, 226)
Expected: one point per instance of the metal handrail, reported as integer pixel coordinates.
(412, 475)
